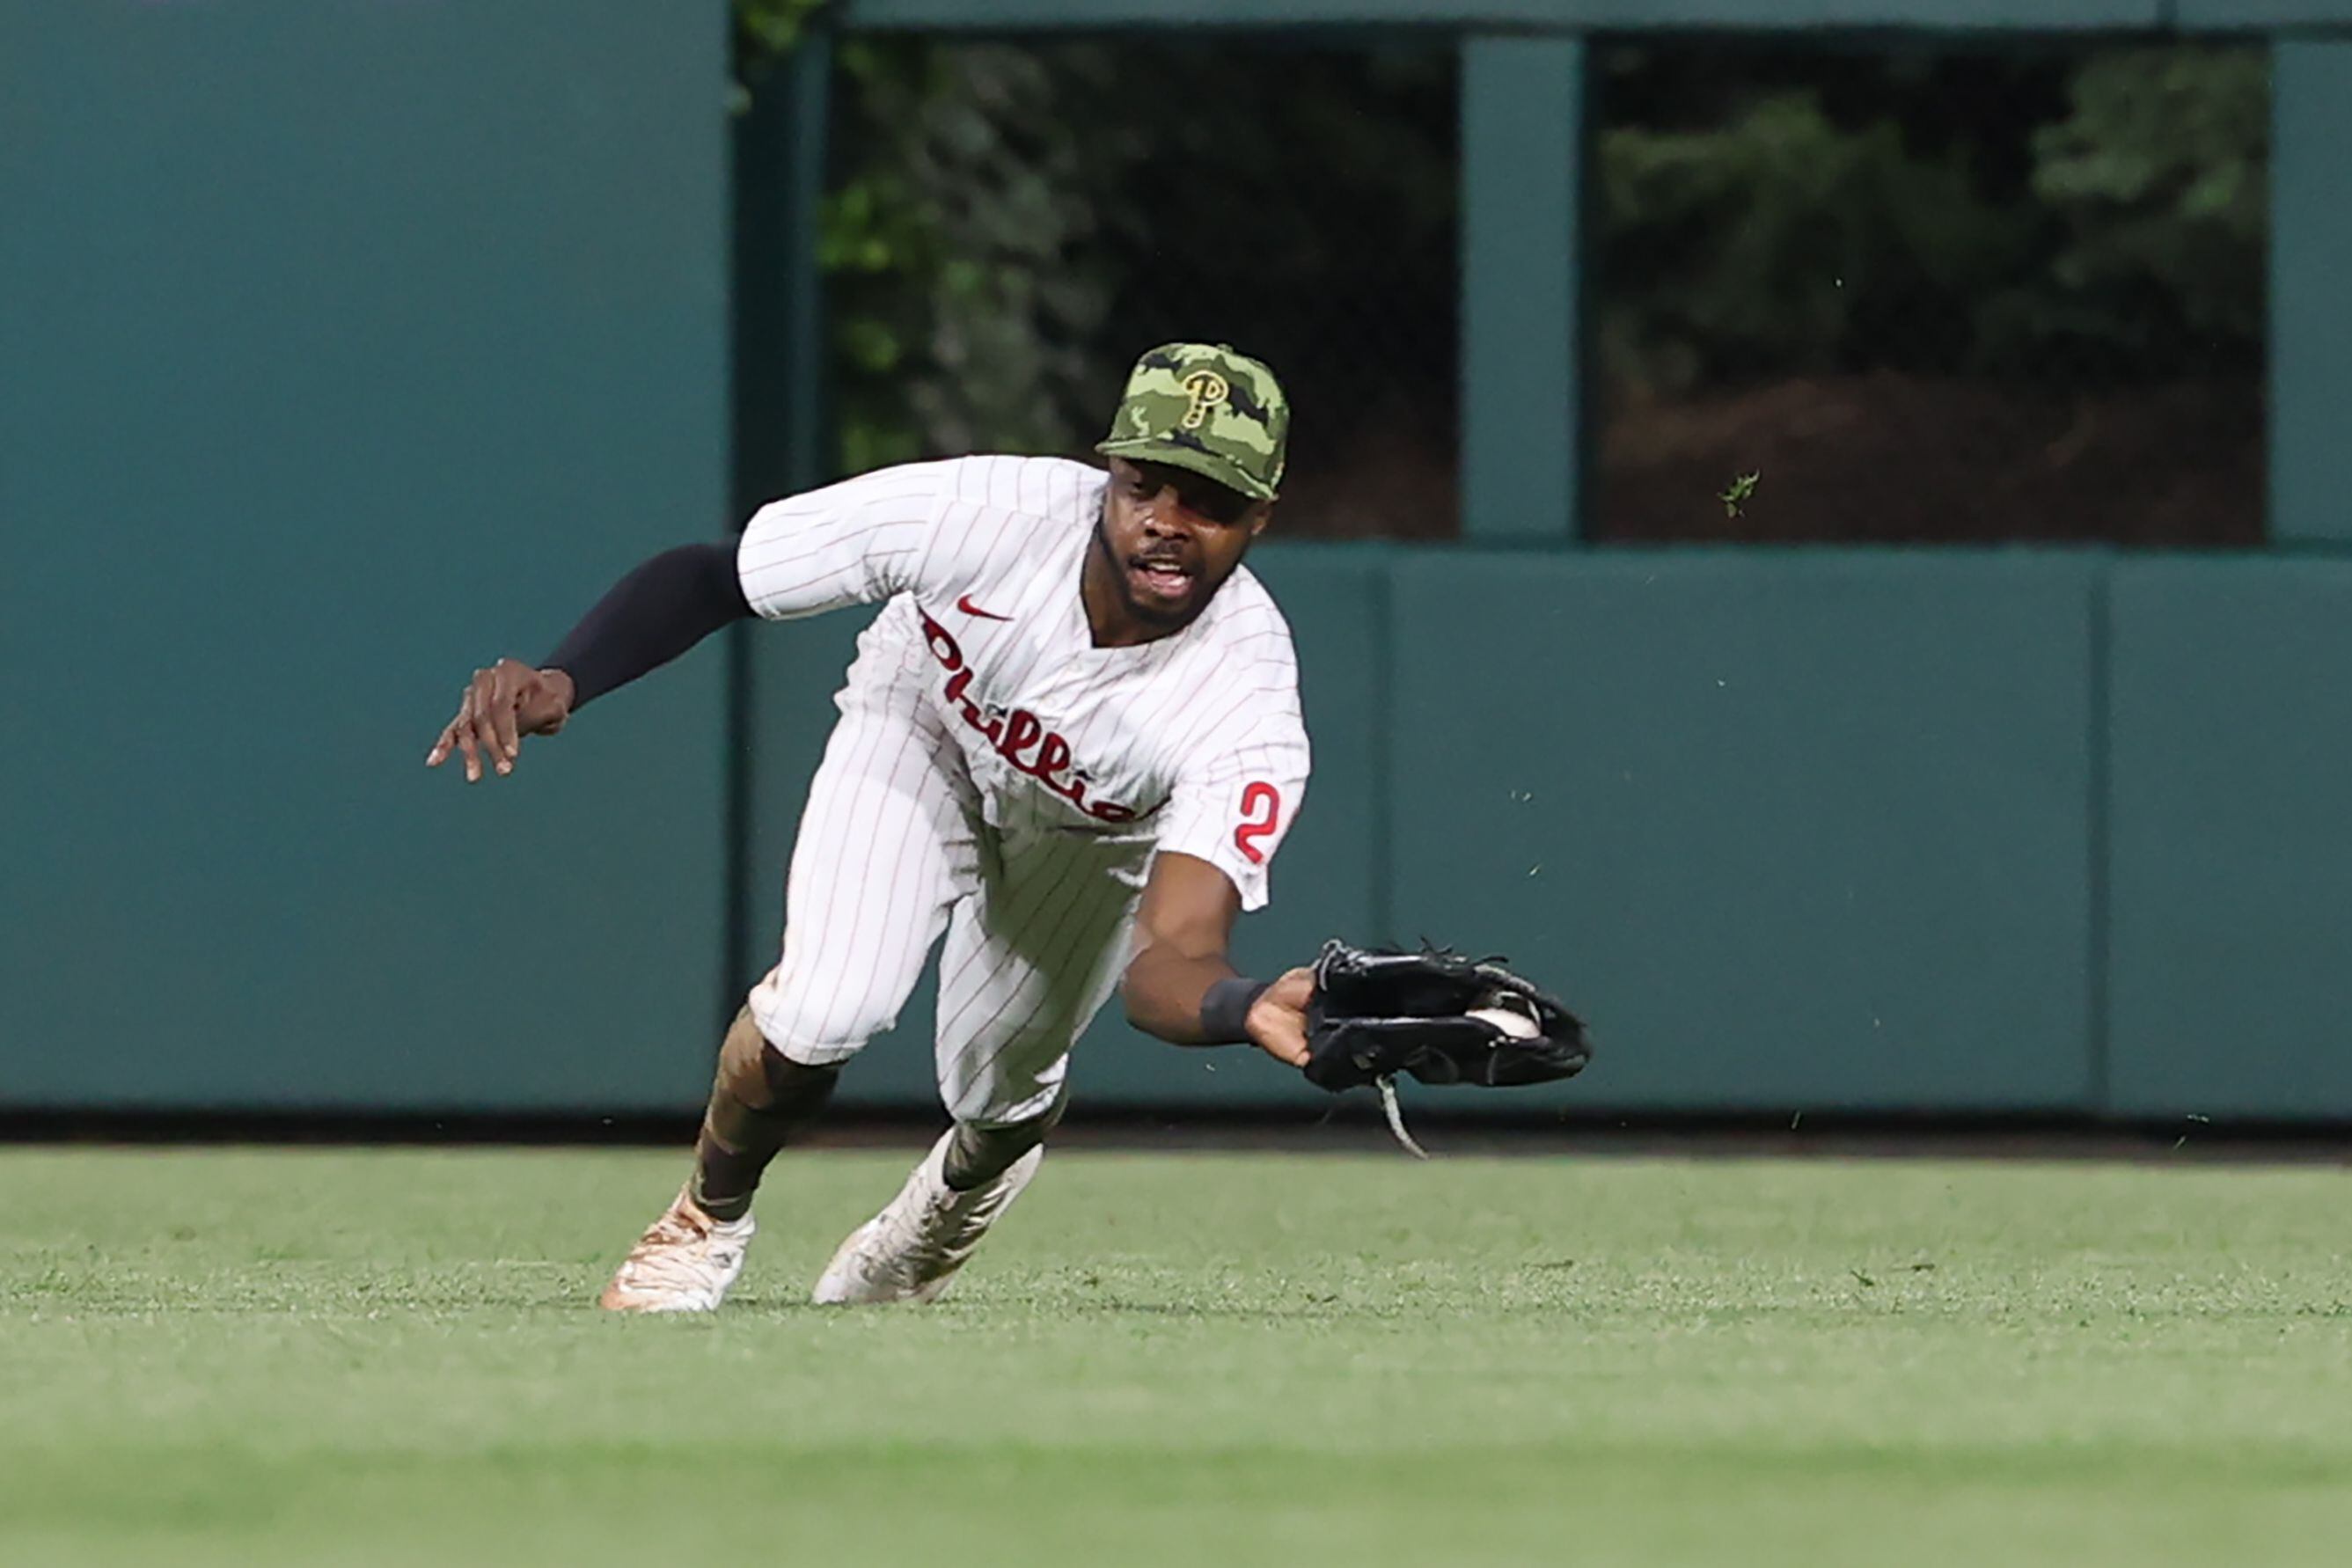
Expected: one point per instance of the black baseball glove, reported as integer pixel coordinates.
(1379, 1013)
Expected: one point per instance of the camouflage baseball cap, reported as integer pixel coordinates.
(1206, 408)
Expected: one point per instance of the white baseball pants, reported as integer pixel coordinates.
(892, 851)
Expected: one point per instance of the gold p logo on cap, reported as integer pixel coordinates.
(1208, 389)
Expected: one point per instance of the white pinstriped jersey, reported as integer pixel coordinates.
(1193, 742)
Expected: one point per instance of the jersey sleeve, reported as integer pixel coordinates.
(1235, 808)
(856, 542)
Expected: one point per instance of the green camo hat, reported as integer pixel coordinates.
(1206, 408)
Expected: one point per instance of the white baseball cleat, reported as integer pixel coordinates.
(911, 1250)
(683, 1263)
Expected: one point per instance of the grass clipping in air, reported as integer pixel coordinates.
(328, 1357)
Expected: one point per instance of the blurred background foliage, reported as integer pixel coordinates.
(2081, 213)
(2029, 279)
(1936, 294)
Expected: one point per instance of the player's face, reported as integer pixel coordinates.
(1170, 538)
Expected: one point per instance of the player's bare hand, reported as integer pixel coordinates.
(1278, 1019)
(501, 705)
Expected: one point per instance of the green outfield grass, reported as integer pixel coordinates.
(314, 1357)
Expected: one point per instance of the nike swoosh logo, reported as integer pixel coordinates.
(969, 608)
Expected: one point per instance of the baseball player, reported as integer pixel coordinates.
(1070, 744)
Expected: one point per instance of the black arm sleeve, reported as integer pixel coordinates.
(651, 616)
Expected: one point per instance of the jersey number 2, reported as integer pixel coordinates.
(1261, 809)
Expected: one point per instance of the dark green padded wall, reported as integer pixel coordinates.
(2233, 838)
(350, 345)
(2311, 331)
(1799, 831)
(1327, 878)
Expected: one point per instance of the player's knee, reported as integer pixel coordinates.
(813, 1031)
(1035, 1126)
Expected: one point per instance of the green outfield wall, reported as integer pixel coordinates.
(343, 347)
(347, 346)
(2230, 837)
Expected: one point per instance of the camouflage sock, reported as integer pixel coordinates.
(978, 1155)
(760, 1102)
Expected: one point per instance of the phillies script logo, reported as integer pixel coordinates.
(1013, 734)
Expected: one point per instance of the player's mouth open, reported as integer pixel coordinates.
(1163, 579)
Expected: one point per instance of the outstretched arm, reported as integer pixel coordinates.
(858, 542)
(1180, 986)
(652, 615)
